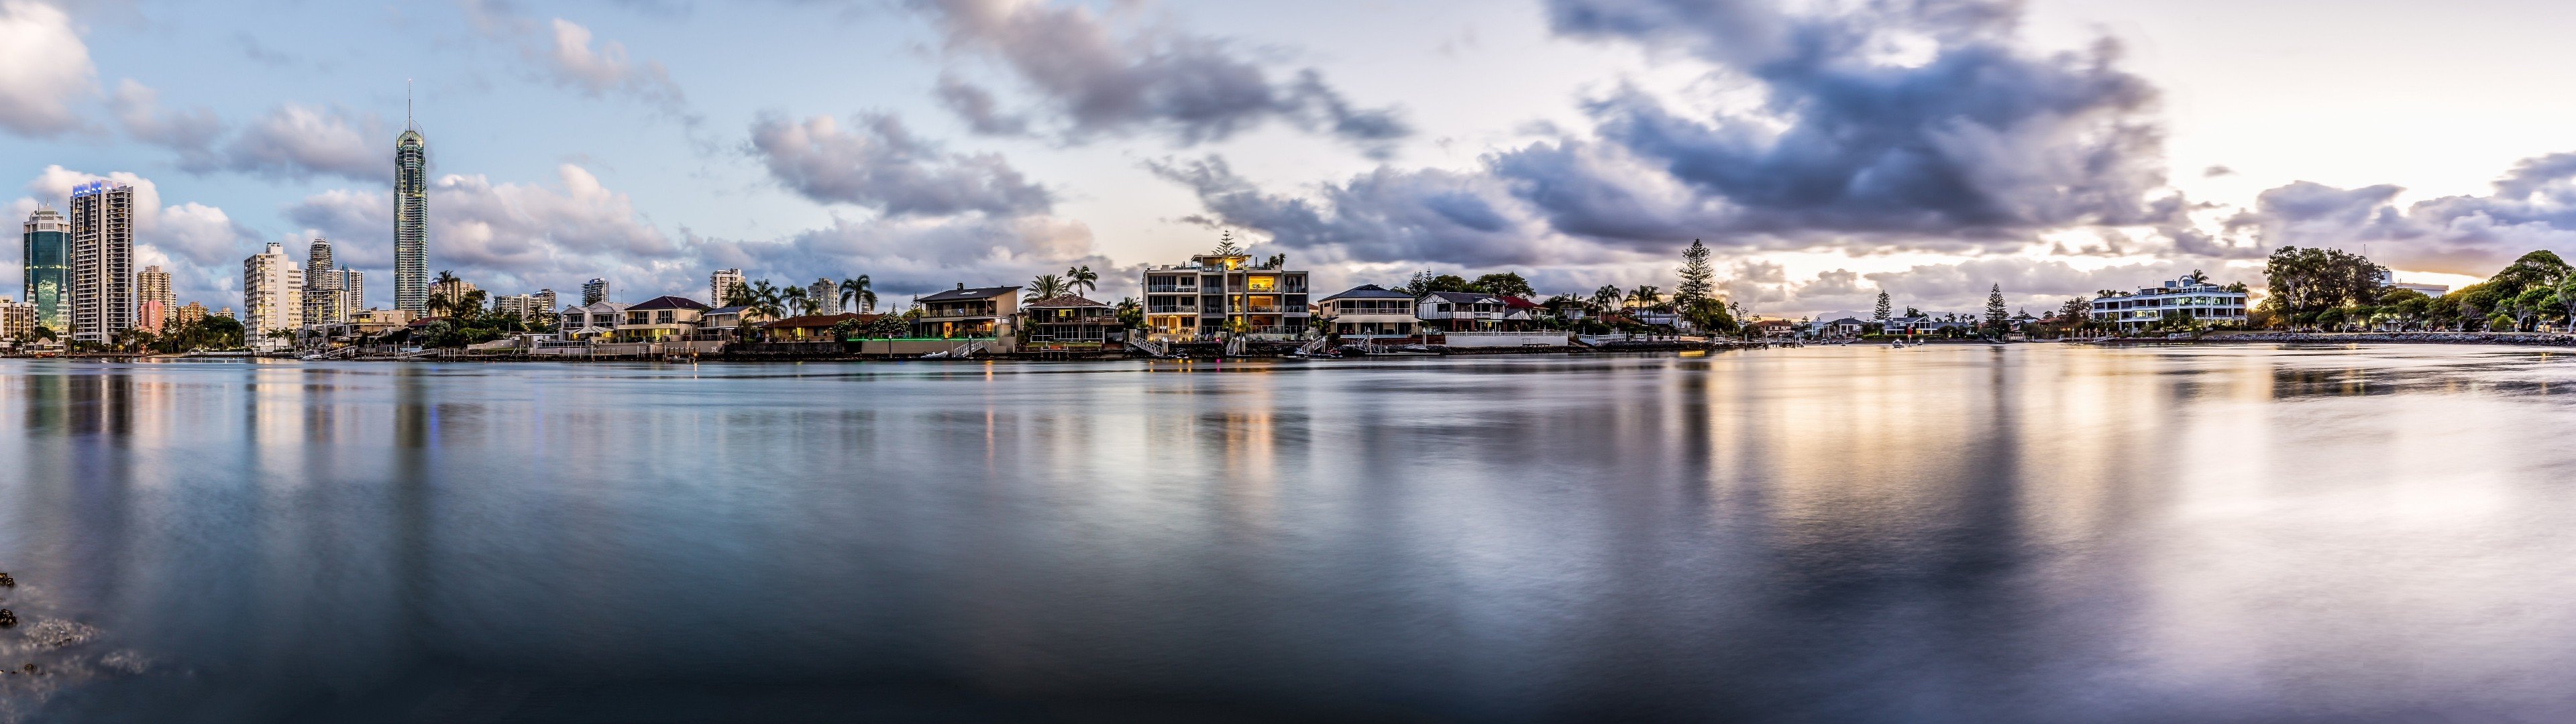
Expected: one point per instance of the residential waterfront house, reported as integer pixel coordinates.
(810, 327)
(1070, 319)
(1215, 292)
(1368, 311)
(1470, 312)
(660, 318)
(591, 320)
(727, 322)
(1844, 327)
(964, 313)
(2207, 303)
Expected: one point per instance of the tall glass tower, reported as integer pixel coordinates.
(411, 219)
(102, 260)
(47, 253)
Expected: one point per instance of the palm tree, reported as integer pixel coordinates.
(1083, 277)
(1646, 296)
(797, 301)
(764, 299)
(470, 305)
(1607, 297)
(2197, 277)
(857, 293)
(1046, 286)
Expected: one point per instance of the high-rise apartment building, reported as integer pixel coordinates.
(353, 292)
(102, 260)
(720, 286)
(594, 292)
(152, 286)
(411, 220)
(452, 290)
(17, 320)
(46, 251)
(823, 296)
(187, 315)
(272, 293)
(543, 301)
(323, 302)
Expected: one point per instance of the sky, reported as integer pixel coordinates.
(1826, 149)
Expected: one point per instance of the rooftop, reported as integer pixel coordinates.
(669, 302)
(1368, 291)
(961, 295)
(1062, 301)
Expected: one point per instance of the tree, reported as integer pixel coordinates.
(1046, 286)
(1645, 296)
(2537, 269)
(1884, 311)
(2305, 281)
(1131, 314)
(1225, 245)
(2528, 306)
(764, 299)
(1420, 284)
(1607, 297)
(1082, 277)
(1998, 320)
(1446, 283)
(1506, 284)
(2196, 277)
(1696, 283)
(470, 305)
(797, 300)
(858, 294)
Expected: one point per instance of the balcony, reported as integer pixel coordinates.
(1169, 289)
(1171, 310)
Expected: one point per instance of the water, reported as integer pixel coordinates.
(1972, 534)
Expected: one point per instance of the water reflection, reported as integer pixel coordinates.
(2027, 533)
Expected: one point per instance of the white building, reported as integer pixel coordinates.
(823, 296)
(102, 260)
(594, 291)
(1217, 291)
(2208, 303)
(272, 294)
(591, 320)
(1368, 311)
(721, 284)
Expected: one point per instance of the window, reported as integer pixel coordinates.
(1263, 284)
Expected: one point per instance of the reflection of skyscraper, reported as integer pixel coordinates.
(47, 253)
(102, 260)
(411, 219)
(720, 286)
(594, 292)
(156, 302)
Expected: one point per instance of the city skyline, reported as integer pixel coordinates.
(605, 143)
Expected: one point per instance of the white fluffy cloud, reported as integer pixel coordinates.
(44, 68)
(572, 61)
(295, 141)
(881, 165)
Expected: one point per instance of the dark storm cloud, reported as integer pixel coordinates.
(879, 164)
(2532, 207)
(1193, 88)
(1967, 142)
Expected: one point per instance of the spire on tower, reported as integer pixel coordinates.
(408, 123)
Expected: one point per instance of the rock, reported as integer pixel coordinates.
(8, 619)
(6, 581)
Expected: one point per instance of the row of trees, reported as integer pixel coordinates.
(2324, 294)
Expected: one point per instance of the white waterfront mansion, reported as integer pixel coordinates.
(2209, 303)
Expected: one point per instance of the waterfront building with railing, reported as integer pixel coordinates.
(1215, 293)
(962, 313)
(2206, 303)
(1368, 311)
(1470, 312)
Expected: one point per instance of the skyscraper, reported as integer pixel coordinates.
(47, 253)
(720, 286)
(823, 297)
(411, 219)
(272, 293)
(152, 287)
(594, 292)
(323, 302)
(102, 260)
(353, 292)
(544, 302)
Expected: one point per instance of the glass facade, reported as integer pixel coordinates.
(46, 251)
(411, 222)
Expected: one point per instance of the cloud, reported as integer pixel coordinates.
(920, 256)
(298, 142)
(567, 54)
(44, 68)
(190, 132)
(1100, 81)
(572, 62)
(976, 106)
(1879, 127)
(878, 164)
(2036, 284)
(2533, 206)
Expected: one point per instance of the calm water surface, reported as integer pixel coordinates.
(1950, 534)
